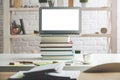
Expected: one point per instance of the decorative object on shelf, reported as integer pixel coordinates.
(16, 30)
(103, 30)
(77, 51)
(51, 3)
(43, 3)
(83, 3)
(36, 32)
(96, 32)
(17, 3)
(70, 3)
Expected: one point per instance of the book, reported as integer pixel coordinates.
(57, 57)
(56, 53)
(56, 45)
(22, 26)
(55, 42)
(55, 39)
(51, 49)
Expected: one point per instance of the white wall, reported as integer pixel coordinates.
(118, 25)
(92, 22)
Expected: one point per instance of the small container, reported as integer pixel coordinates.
(86, 58)
(103, 30)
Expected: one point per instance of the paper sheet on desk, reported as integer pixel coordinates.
(51, 67)
(71, 74)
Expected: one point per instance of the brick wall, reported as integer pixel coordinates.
(26, 45)
(91, 22)
(1, 27)
(118, 28)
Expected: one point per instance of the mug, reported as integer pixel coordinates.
(86, 58)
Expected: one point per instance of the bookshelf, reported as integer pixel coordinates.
(24, 9)
(96, 8)
(23, 36)
(112, 36)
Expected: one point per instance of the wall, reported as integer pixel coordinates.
(1, 27)
(91, 24)
(118, 28)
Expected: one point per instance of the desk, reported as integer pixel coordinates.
(6, 58)
(96, 59)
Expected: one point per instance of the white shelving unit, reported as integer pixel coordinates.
(96, 35)
(112, 36)
(24, 9)
(97, 8)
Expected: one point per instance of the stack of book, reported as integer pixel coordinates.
(56, 48)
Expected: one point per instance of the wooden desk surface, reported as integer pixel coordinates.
(6, 75)
(99, 76)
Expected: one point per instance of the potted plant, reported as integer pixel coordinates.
(83, 3)
(43, 3)
(51, 3)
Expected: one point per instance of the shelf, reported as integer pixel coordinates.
(95, 35)
(23, 36)
(96, 8)
(87, 8)
(24, 9)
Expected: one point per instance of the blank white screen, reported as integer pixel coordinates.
(60, 19)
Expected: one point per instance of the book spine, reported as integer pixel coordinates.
(57, 57)
(59, 49)
(57, 53)
(56, 46)
(59, 45)
(55, 39)
(17, 3)
(70, 3)
(56, 42)
(22, 26)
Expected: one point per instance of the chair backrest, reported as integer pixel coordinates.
(108, 67)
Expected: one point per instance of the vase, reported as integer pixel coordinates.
(43, 4)
(51, 3)
(83, 5)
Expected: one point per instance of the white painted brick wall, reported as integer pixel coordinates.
(118, 26)
(91, 24)
(26, 45)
